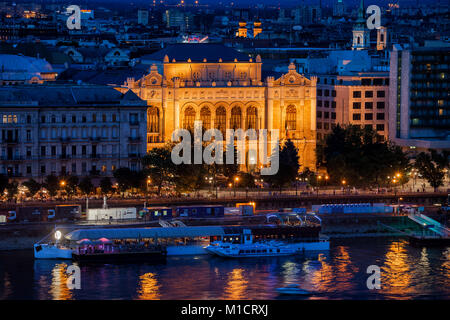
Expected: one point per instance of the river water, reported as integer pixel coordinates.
(406, 273)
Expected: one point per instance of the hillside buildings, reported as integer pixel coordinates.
(66, 129)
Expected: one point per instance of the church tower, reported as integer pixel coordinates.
(361, 35)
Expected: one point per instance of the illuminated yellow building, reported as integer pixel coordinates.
(225, 89)
(242, 31)
(257, 29)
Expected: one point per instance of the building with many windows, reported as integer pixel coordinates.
(225, 89)
(360, 99)
(65, 129)
(419, 96)
(352, 88)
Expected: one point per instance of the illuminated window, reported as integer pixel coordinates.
(235, 121)
(291, 118)
(252, 116)
(221, 119)
(196, 76)
(189, 118)
(205, 117)
(11, 118)
(153, 120)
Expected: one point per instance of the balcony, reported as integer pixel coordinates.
(134, 155)
(64, 140)
(95, 139)
(134, 139)
(94, 172)
(11, 140)
(12, 158)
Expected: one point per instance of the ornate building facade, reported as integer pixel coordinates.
(226, 90)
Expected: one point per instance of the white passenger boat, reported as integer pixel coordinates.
(51, 251)
(247, 248)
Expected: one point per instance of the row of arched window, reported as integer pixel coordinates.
(251, 121)
(220, 122)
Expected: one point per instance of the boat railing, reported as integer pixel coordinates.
(119, 249)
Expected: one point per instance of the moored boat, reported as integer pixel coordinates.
(294, 289)
(121, 254)
(270, 248)
(51, 251)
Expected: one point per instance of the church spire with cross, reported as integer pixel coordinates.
(361, 35)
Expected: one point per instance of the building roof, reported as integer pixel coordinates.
(65, 95)
(23, 64)
(115, 76)
(135, 233)
(212, 52)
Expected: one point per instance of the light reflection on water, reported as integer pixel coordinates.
(406, 273)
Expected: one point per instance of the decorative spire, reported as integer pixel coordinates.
(361, 18)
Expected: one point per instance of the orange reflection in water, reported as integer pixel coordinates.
(5, 286)
(59, 289)
(149, 288)
(446, 267)
(236, 285)
(336, 276)
(396, 272)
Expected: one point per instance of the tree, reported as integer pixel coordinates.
(12, 189)
(71, 185)
(159, 166)
(431, 166)
(86, 186)
(106, 185)
(33, 187)
(190, 176)
(230, 170)
(362, 158)
(123, 177)
(51, 184)
(288, 166)
(246, 180)
(4, 181)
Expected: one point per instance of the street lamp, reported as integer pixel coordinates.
(62, 183)
(343, 185)
(236, 180)
(146, 194)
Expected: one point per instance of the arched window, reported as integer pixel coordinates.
(221, 119)
(205, 117)
(235, 121)
(153, 120)
(291, 118)
(252, 118)
(189, 118)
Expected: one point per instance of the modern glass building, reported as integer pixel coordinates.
(419, 97)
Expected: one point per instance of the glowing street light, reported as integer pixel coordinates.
(236, 180)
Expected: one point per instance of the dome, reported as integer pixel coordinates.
(18, 63)
(18, 67)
